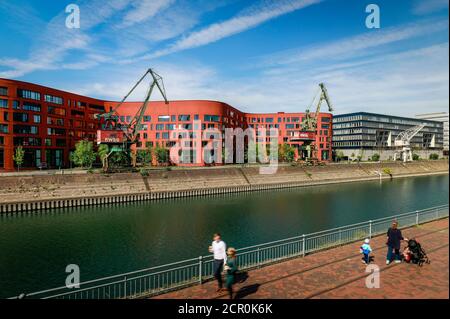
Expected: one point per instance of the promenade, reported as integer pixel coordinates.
(339, 273)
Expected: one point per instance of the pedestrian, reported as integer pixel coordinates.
(394, 238)
(366, 250)
(219, 249)
(231, 269)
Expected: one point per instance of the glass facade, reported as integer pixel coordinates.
(370, 131)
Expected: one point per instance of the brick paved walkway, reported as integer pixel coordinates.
(339, 273)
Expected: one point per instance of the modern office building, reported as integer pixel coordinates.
(440, 117)
(363, 134)
(48, 122)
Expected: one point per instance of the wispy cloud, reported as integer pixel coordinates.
(143, 10)
(56, 40)
(370, 40)
(422, 7)
(242, 22)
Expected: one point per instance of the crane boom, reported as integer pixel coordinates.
(405, 137)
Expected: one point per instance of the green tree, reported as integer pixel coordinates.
(144, 156)
(84, 154)
(162, 154)
(18, 157)
(286, 153)
(340, 155)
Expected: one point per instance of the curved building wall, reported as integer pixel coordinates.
(48, 122)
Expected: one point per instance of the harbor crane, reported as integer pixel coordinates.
(309, 123)
(402, 142)
(121, 137)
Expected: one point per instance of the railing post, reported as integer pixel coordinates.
(125, 287)
(417, 217)
(370, 229)
(200, 266)
(437, 213)
(303, 245)
(340, 236)
(258, 258)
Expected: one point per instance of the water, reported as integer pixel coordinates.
(108, 240)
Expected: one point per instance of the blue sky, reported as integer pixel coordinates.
(259, 56)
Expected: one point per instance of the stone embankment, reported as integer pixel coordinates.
(34, 192)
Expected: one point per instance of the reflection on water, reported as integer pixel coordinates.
(35, 249)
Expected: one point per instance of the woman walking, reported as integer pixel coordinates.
(231, 269)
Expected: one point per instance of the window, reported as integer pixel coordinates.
(3, 128)
(59, 122)
(60, 142)
(36, 118)
(165, 135)
(182, 118)
(159, 127)
(147, 118)
(269, 120)
(48, 142)
(53, 99)
(26, 94)
(20, 117)
(25, 129)
(196, 117)
(3, 90)
(173, 118)
(97, 107)
(212, 118)
(56, 111)
(56, 131)
(170, 127)
(29, 106)
(290, 126)
(2, 140)
(16, 105)
(6, 116)
(163, 118)
(4, 103)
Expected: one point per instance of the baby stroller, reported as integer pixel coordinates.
(415, 254)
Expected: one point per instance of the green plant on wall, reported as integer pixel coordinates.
(376, 157)
(387, 171)
(84, 154)
(434, 156)
(18, 157)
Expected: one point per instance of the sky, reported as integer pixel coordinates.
(258, 56)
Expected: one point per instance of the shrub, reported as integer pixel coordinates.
(143, 172)
(434, 156)
(376, 157)
(415, 157)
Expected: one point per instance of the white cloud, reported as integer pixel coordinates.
(240, 23)
(360, 44)
(143, 10)
(422, 7)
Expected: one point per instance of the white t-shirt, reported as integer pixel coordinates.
(219, 250)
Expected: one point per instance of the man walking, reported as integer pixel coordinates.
(394, 237)
(219, 249)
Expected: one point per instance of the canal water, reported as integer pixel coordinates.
(109, 240)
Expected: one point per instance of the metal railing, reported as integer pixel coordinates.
(161, 279)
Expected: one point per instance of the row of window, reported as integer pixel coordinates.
(36, 141)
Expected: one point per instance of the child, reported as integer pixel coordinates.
(365, 249)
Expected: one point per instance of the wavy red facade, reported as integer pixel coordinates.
(48, 122)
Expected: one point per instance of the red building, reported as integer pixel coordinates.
(47, 123)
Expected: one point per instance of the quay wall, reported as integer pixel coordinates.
(38, 192)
